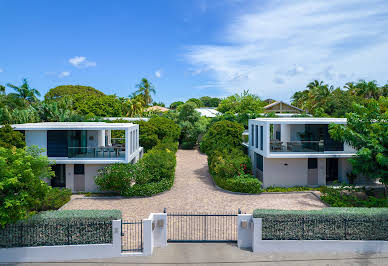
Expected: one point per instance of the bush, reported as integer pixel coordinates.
(154, 173)
(54, 199)
(229, 164)
(243, 184)
(165, 128)
(222, 135)
(67, 227)
(288, 189)
(147, 135)
(325, 224)
(346, 196)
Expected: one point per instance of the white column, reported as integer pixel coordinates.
(256, 234)
(160, 230)
(69, 171)
(101, 138)
(116, 236)
(127, 145)
(244, 230)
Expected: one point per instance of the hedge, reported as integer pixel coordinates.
(325, 224)
(239, 184)
(65, 227)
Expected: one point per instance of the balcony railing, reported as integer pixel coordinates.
(297, 146)
(97, 152)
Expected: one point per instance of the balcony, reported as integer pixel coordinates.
(305, 146)
(105, 152)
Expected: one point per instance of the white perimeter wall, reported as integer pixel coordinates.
(37, 137)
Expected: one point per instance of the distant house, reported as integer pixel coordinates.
(80, 149)
(208, 111)
(282, 107)
(298, 152)
(157, 108)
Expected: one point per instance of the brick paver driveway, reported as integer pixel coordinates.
(193, 191)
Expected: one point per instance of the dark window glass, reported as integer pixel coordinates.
(259, 162)
(252, 134)
(256, 137)
(79, 169)
(57, 143)
(261, 138)
(312, 163)
(59, 180)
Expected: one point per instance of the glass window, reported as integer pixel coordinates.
(252, 134)
(261, 137)
(79, 169)
(256, 137)
(312, 163)
(259, 162)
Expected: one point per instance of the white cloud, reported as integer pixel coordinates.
(276, 50)
(64, 74)
(1, 70)
(81, 62)
(158, 74)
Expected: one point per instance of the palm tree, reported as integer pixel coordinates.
(136, 106)
(2, 90)
(368, 89)
(145, 88)
(25, 92)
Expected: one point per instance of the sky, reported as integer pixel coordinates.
(193, 48)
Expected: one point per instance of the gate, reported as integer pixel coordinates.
(201, 227)
(132, 236)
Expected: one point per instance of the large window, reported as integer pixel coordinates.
(256, 137)
(59, 180)
(259, 162)
(261, 137)
(252, 134)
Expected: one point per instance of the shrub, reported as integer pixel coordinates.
(147, 135)
(229, 164)
(165, 128)
(222, 135)
(10, 138)
(154, 173)
(325, 224)
(244, 183)
(346, 196)
(54, 199)
(67, 227)
(288, 189)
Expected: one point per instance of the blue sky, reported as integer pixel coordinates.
(190, 48)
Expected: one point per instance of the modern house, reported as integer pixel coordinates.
(297, 151)
(79, 149)
(208, 111)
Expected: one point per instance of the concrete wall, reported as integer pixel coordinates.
(92, 138)
(285, 172)
(322, 171)
(90, 173)
(70, 176)
(65, 253)
(154, 232)
(37, 137)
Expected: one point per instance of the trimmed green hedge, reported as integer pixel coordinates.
(325, 224)
(239, 184)
(67, 227)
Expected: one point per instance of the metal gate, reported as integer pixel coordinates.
(132, 236)
(201, 227)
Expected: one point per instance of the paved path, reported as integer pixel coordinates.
(229, 254)
(193, 191)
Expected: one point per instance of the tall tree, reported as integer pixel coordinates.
(145, 88)
(367, 131)
(25, 91)
(2, 90)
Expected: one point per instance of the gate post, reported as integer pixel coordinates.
(244, 230)
(116, 236)
(147, 237)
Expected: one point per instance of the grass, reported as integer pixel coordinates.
(288, 189)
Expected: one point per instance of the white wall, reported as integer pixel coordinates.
(154, 232)
(92, 138)
(276, 173)
(37, 137)
(90, 173)
(70, 176)
(101, 137)
(65, 253)
(322, 171)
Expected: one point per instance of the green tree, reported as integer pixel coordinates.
(25, 92)
(174, 105)
(145, 88)
(196, 101)
(10, 138)
(240, 104)
(103, 106)
(71, 91)
(2, 90)
(367, 131)
(21, 182)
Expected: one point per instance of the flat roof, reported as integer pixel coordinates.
(302, 120)
(72, 126)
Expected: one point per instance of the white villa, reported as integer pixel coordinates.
(79, 149)
(297, 151)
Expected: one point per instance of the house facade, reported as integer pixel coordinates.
(297, 151)
(80, 149)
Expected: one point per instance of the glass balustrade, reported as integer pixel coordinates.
(297, 146)
(97, 152)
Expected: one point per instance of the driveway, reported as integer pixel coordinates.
(193, 191)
